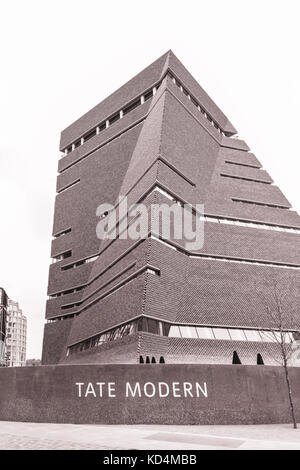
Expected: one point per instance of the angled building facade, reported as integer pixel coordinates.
(161, 139)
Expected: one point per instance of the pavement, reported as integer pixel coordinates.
(49, 436)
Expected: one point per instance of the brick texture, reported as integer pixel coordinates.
(171, 144)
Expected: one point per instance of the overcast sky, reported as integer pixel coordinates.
(61, 58)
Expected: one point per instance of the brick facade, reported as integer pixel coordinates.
(166, 141)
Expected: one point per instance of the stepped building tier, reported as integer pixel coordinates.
(160, 139)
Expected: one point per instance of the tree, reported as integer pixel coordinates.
(280, 297)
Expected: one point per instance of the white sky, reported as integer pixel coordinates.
(61, 58)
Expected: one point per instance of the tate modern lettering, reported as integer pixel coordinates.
(148, 389)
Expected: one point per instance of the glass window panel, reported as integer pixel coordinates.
(221, 333)
(166, 329)
(140, 324)
(188, 332)
(103, 338)
(144, 324)
(93, 342)
(133, 327)
(252, 335)
(174, 332)
(118, 332)
(277, 335)
(152, 326)
(268, 336)
(288, 337)
(205, 332)
(126, 330)
(237, 335)
(113, 334)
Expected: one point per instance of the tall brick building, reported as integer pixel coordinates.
(160, 139)
(16, 337)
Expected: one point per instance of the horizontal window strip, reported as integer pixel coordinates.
(61, 256)
(209, 218)
(106, 142)
(71, 290)
(62, 317)
(63, 232)
(69, 306)
(200, 108)
(148, 269)
(259, 225)
(248, 165)
(88, 260)
(68, 186)
(258, 203)
(245, 178)
(118, 115)
(112, 279)
(220, 219)
(222, 258)
(145, 324)
(121, 284)
(127, 108)
(80, 262)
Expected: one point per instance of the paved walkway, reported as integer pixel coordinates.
(45, 436)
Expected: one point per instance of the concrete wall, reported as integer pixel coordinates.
(235, 394)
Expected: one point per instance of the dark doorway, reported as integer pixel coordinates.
(260, 360)
(235, 358)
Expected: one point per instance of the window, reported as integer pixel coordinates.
(174, 332)
(244, 201)
(152, 326)
(252, 335)
(90, 260)
(188, 332)
(64, 232)
(221, 333)
(132, 106)
(68, 186)
(90, 135)
(114, 118)
(237, 335)
(142, 324)
(148, 95)
(194, 101)
(271, 336)
(205, 333)
(62, 256)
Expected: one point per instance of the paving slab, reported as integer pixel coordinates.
(50, 436)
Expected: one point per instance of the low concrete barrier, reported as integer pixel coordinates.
(148, 394)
